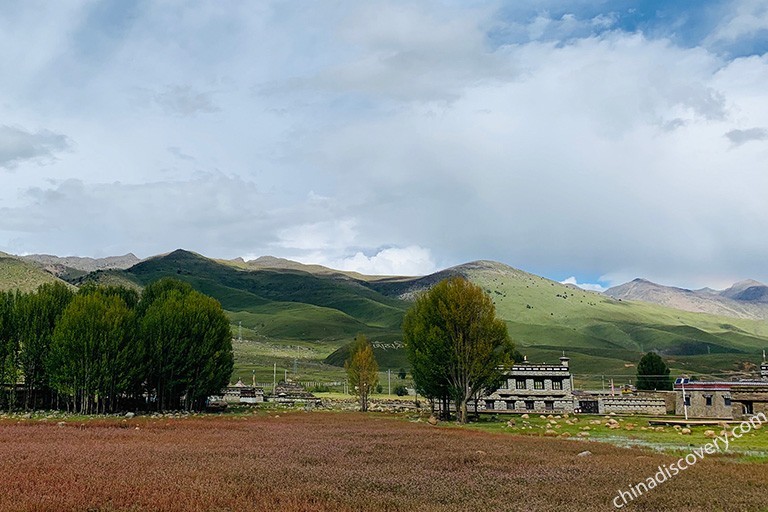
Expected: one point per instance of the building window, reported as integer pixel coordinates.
(519, 383)
(538, 383)
(557, 384)
(549, 405)
(688, 400)
(708, 400)
(727, 401)
(489, 404)
(510, 405)
(529, 405)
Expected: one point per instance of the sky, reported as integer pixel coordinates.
(587, 141)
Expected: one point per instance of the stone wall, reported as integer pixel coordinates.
(632, 405)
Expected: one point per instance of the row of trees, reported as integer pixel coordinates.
(105, 349)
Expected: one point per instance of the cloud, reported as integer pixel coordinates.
(184, 101)
(563, 138)
(393, 261)
(18, 145)
(744, 19)
(593, 287)
(739, 137)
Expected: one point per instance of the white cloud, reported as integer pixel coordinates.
(19, 145)
(594, 287)
(745, 18)
(328, 130)
(393, 261)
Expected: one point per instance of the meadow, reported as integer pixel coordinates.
(329, 461)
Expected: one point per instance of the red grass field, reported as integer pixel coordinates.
(339, 461)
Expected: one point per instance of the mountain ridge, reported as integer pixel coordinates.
(745, 299)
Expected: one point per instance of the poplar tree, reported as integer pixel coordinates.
(362, 370)
(187, 345)
(37, 314)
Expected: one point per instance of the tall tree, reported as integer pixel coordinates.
(362, 370)
(455, 343)
(37, 314)
(653, 373)
(9, 345)
(187, 342)
(93, 351)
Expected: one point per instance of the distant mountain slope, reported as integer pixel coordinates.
(17, 274)
(600, 333)
(72, 267)
(278, 302)
(747, 299)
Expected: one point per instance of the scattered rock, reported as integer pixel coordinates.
(685, 431)
(511, 423)
(710, 434)
(585, 453)
(432, 420)
(583, 434)
(61, 424)
(550, 433)
(129, 415)
(525, 416)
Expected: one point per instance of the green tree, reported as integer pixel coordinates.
(187, 342)
(93, 352)
(401, 374)
(9, 344)
(362, 370)
(455, 343)
(653, 373)
(37, 315)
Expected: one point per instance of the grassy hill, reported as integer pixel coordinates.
(16, 274)
(603, 336)
(282, 314)
(301, 318)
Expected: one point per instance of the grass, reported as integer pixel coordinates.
(633, 431)
(339, 461)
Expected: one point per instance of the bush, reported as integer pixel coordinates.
(401, 390)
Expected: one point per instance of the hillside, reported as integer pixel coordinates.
(17, 274)
(602, 335)
(70, 268)
(282, 313)
(746, 299)
(304, 316)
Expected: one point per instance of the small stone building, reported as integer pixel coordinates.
(239, 393)
(723, 399)
(533, 388)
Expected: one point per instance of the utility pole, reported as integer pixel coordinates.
(389, 382)
(685, 404)
(274, 378)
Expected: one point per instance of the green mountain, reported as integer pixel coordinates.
(302, 317)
